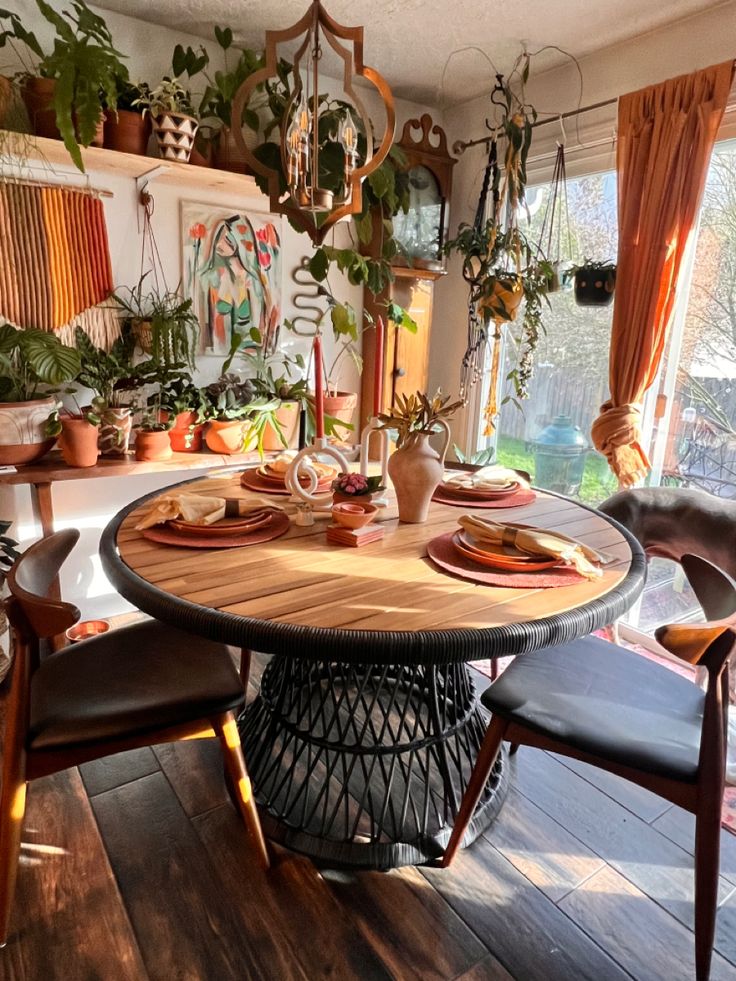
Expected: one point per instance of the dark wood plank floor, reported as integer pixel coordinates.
(136, 867)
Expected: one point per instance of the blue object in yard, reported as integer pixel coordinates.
(560, 451)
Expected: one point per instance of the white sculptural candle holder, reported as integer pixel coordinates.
(374, 426)
(302, 464)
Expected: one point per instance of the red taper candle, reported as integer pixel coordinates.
(319, 389)
(378, 368)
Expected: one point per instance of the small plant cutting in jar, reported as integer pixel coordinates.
(355, 487)
(415, 467)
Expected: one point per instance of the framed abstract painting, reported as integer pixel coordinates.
(232, 268)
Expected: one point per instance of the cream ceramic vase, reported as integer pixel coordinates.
(416, 470)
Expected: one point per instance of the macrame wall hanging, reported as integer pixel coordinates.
(55, 271)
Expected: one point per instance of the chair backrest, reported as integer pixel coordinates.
(29, 581)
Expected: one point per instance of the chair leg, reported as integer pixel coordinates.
(245, 659)
(478, 779)
(226, 728)
(707, 864)
(12, 811)
(513, 749)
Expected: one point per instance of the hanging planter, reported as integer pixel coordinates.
(549, 248)
(595, 283)
(501, 298)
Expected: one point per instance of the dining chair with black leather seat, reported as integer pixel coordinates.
(135, 686)
(604, 705)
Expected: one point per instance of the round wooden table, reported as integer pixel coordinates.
(366, 726)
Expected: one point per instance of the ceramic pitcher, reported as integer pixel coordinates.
(416, 469)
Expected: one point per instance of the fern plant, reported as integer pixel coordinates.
(87, 69)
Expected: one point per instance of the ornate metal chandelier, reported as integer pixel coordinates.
(308, 147)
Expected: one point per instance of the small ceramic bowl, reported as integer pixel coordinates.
(86, 629)
(353, 515)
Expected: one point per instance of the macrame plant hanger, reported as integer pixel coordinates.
(474, 357)
(557, 211)
(150, 246)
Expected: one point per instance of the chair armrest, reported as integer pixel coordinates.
(691, 642)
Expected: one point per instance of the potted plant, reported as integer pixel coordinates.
(415, 467)
(187, 407)
(228, 401)
(174, 122)
(152, 444)
(273, 381)
(126, 129)
(164, 324)
(595, 283)
(348, 487)
(113, 378)
(30, 360)
(215, 109)
(66, 93)
(77, 432)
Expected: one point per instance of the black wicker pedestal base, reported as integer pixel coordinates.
(365, 765)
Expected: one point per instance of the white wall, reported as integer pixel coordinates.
(89, 504)
(695, 42)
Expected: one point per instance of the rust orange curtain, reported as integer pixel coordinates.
(665, 139)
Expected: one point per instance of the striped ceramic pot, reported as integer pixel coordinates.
(23, 436)
(115, 432)
(175, 134)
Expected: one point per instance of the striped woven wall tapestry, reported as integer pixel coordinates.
(55, 270)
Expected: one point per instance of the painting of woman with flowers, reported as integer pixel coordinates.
(232, 272)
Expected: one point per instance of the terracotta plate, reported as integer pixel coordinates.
(499, 557)
(225, 526)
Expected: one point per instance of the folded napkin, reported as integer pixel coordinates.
(488, 478)
(534, 541)
(200, 510)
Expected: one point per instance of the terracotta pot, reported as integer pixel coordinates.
(23, 437)
(6, 99)
(175, 134)
(287, 415)
(227, 154)
(186, 436)
(201, 155)
(228, 436)
(415, 471)
(78, 441)
(152, 447)
(127, 131)
(342, 406)
(115, 432)
(37, 94)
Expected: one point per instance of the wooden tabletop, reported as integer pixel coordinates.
(385, 601)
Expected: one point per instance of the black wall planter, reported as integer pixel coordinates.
(594, 286)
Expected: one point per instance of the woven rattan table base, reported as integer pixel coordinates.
(365, 765)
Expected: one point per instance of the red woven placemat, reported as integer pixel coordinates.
(515, 500)
(169, 536)
(444, 555)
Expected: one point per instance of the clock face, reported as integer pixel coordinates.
(419, 231)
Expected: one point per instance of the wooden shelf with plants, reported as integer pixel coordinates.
(44, 154)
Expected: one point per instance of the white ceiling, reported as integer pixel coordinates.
(410, 41)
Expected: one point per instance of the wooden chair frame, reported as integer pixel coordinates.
(32, 619)
(711, 645)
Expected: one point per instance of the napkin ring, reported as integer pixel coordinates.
(509, 536)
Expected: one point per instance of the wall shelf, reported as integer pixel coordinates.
(49, 158)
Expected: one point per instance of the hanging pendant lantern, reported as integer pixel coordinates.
(308, 148)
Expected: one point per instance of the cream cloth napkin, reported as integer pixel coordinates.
(535, 541)
(488, 478)
(199, 509)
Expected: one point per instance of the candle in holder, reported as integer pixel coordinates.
(378, 368)
(319, 393)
